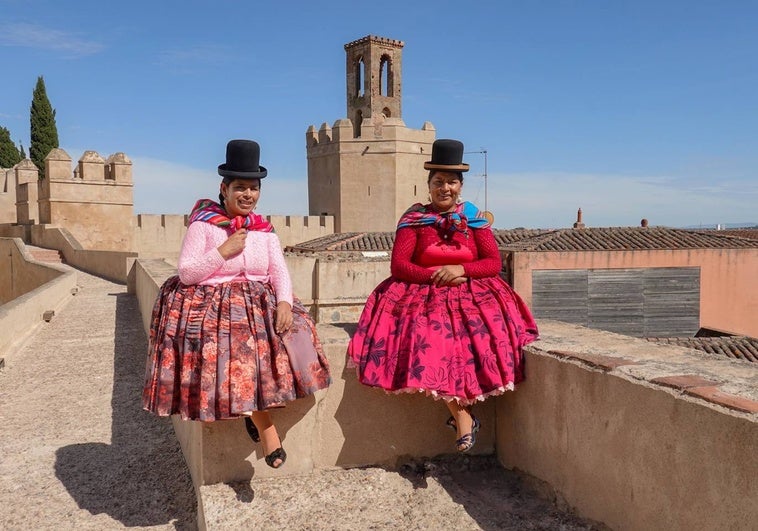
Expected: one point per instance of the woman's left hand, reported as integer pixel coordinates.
(283, 317)
(446, 274)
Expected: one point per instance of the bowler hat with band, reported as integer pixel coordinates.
(242, 160)
(447, 155)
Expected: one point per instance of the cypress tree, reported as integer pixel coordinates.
(9, 155)
(43, 128)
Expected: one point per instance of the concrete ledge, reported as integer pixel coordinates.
(634, 434)
(44, 287)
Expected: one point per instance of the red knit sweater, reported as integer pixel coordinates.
(419, 251)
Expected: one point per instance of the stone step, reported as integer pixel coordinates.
(45, 255)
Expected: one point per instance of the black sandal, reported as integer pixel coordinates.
(252, 430)
(467, 442)
(271, 458)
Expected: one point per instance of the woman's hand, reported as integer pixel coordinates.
(445, 275)
(283, 317)
(457, 280)
(233, 245)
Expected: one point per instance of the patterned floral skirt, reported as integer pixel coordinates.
(459, 343)
(214, 354)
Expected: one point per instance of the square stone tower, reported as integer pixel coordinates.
(368, 168)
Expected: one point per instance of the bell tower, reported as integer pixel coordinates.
(368, 168)
(374, 80)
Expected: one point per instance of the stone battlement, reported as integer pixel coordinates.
(372, 131)
(161, 235)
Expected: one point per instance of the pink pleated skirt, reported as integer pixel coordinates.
(459, 343)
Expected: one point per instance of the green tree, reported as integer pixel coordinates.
(9, 155)
(43, 128)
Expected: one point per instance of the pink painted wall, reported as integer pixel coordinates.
(728, 278)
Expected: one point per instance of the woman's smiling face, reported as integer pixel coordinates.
(241, 196)
(444, 190)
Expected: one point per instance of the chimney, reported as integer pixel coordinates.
(643, 223)
(579, 224)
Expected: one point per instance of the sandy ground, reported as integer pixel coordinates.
(77, 452)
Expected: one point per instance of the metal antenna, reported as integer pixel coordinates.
(484, 151)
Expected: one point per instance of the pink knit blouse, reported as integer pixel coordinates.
(262, 259)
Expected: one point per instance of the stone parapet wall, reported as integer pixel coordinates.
(28, 289)
(113, 265)
(625, 432)
(335, 290)
(633, 434)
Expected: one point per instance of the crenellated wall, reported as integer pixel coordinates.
(94, 202)
(160, 235)
(349, 176)
(27, 193)
(298, 229)
(7, 195)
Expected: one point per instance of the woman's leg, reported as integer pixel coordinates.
(269, 436)
(463, 420)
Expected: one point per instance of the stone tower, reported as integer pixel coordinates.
(368, 169)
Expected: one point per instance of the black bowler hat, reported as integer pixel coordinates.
(447, 155)
(242, 160)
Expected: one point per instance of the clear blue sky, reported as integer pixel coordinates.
(627, 109)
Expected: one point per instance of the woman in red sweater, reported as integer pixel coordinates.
(444, 323)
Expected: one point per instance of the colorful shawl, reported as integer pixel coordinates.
(464, 216)
(211, 212)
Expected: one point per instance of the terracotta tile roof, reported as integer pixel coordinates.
(626, 239)
(347, 242)
(507, 236)
(740, 233)
(737, 347)
(591, 239)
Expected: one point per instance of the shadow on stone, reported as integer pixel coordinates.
(496, 498)
(140, 479)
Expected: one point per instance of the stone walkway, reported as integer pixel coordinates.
(77, 452)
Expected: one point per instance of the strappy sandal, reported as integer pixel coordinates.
(467, 442)
(271, 458)
(252, 430)
(450, 422)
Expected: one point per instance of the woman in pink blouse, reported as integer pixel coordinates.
(228, 339)
(444, 323)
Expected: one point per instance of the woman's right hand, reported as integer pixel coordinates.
(233, 245)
